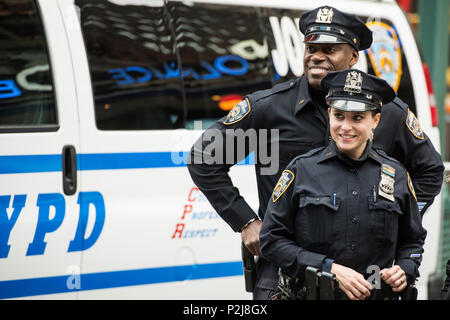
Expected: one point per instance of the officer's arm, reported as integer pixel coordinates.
(413, 148)
(277, 241)
(411, 234)
(209, 164)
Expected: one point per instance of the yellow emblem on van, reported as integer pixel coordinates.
(384, 53)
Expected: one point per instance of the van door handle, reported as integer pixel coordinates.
(69, 168)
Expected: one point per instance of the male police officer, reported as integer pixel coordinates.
(297, 109)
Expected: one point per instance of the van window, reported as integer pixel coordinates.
(26, 92)
(165, 66)
(133, 66)
(224, 57)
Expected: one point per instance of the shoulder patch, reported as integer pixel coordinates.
(238, 112)
(283, 183)
(410, 186)
(413, 125)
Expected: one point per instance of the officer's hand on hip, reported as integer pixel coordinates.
(250, 237)
(351, 282)
(395, 277)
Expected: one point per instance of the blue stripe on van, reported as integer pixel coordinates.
(116, 279)
(99, 161)
(30, 163)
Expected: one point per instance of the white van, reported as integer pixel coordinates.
(100, 101)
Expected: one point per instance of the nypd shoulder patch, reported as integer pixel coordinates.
(283, 183)
(238, 112)
(413, 125)
(410, 186)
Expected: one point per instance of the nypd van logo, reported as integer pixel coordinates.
(384, 53)
(283, 183)
(413, 125)
(238, 112)
(353, 82)
(324, 15)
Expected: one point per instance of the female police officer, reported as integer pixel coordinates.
(346, 207)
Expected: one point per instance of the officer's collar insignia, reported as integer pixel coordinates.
(413, 125)
(353, 82)
(387, 181)
(238, 112)
(283, 183)
(410, 186)
(324, 15)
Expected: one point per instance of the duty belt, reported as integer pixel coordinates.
(319, 285)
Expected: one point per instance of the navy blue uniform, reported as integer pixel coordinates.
(330, 207)
(302, 121)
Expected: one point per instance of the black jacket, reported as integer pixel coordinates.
(330, 206)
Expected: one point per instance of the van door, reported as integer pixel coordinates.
(147, 223)
(38, 138)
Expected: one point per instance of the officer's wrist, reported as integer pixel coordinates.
(248, 223)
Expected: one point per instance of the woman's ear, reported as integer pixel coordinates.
(376, 120)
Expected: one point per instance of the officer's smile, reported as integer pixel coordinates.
(347, 138)
(318, 71)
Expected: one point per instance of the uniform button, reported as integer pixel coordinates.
(354, 219)
(355, 193)
(329, 138)
(353, 247)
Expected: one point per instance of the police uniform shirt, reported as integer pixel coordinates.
(327, 205)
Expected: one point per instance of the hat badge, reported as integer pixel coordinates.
(353, 82)
(325, 15)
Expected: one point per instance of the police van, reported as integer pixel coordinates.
(100, 101)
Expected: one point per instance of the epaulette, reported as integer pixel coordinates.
(385, 156)
(261, 94)
(397, 101)
(310, 153)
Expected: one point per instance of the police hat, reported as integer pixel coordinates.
(354, 90)
(329, 25)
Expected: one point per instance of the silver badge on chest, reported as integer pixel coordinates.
(387, 181)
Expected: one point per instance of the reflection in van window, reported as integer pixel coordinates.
(26, 91)
(166, 65)
(133, 66)
(224, 57)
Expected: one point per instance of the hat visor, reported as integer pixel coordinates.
(349, 105)
(323, 38)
